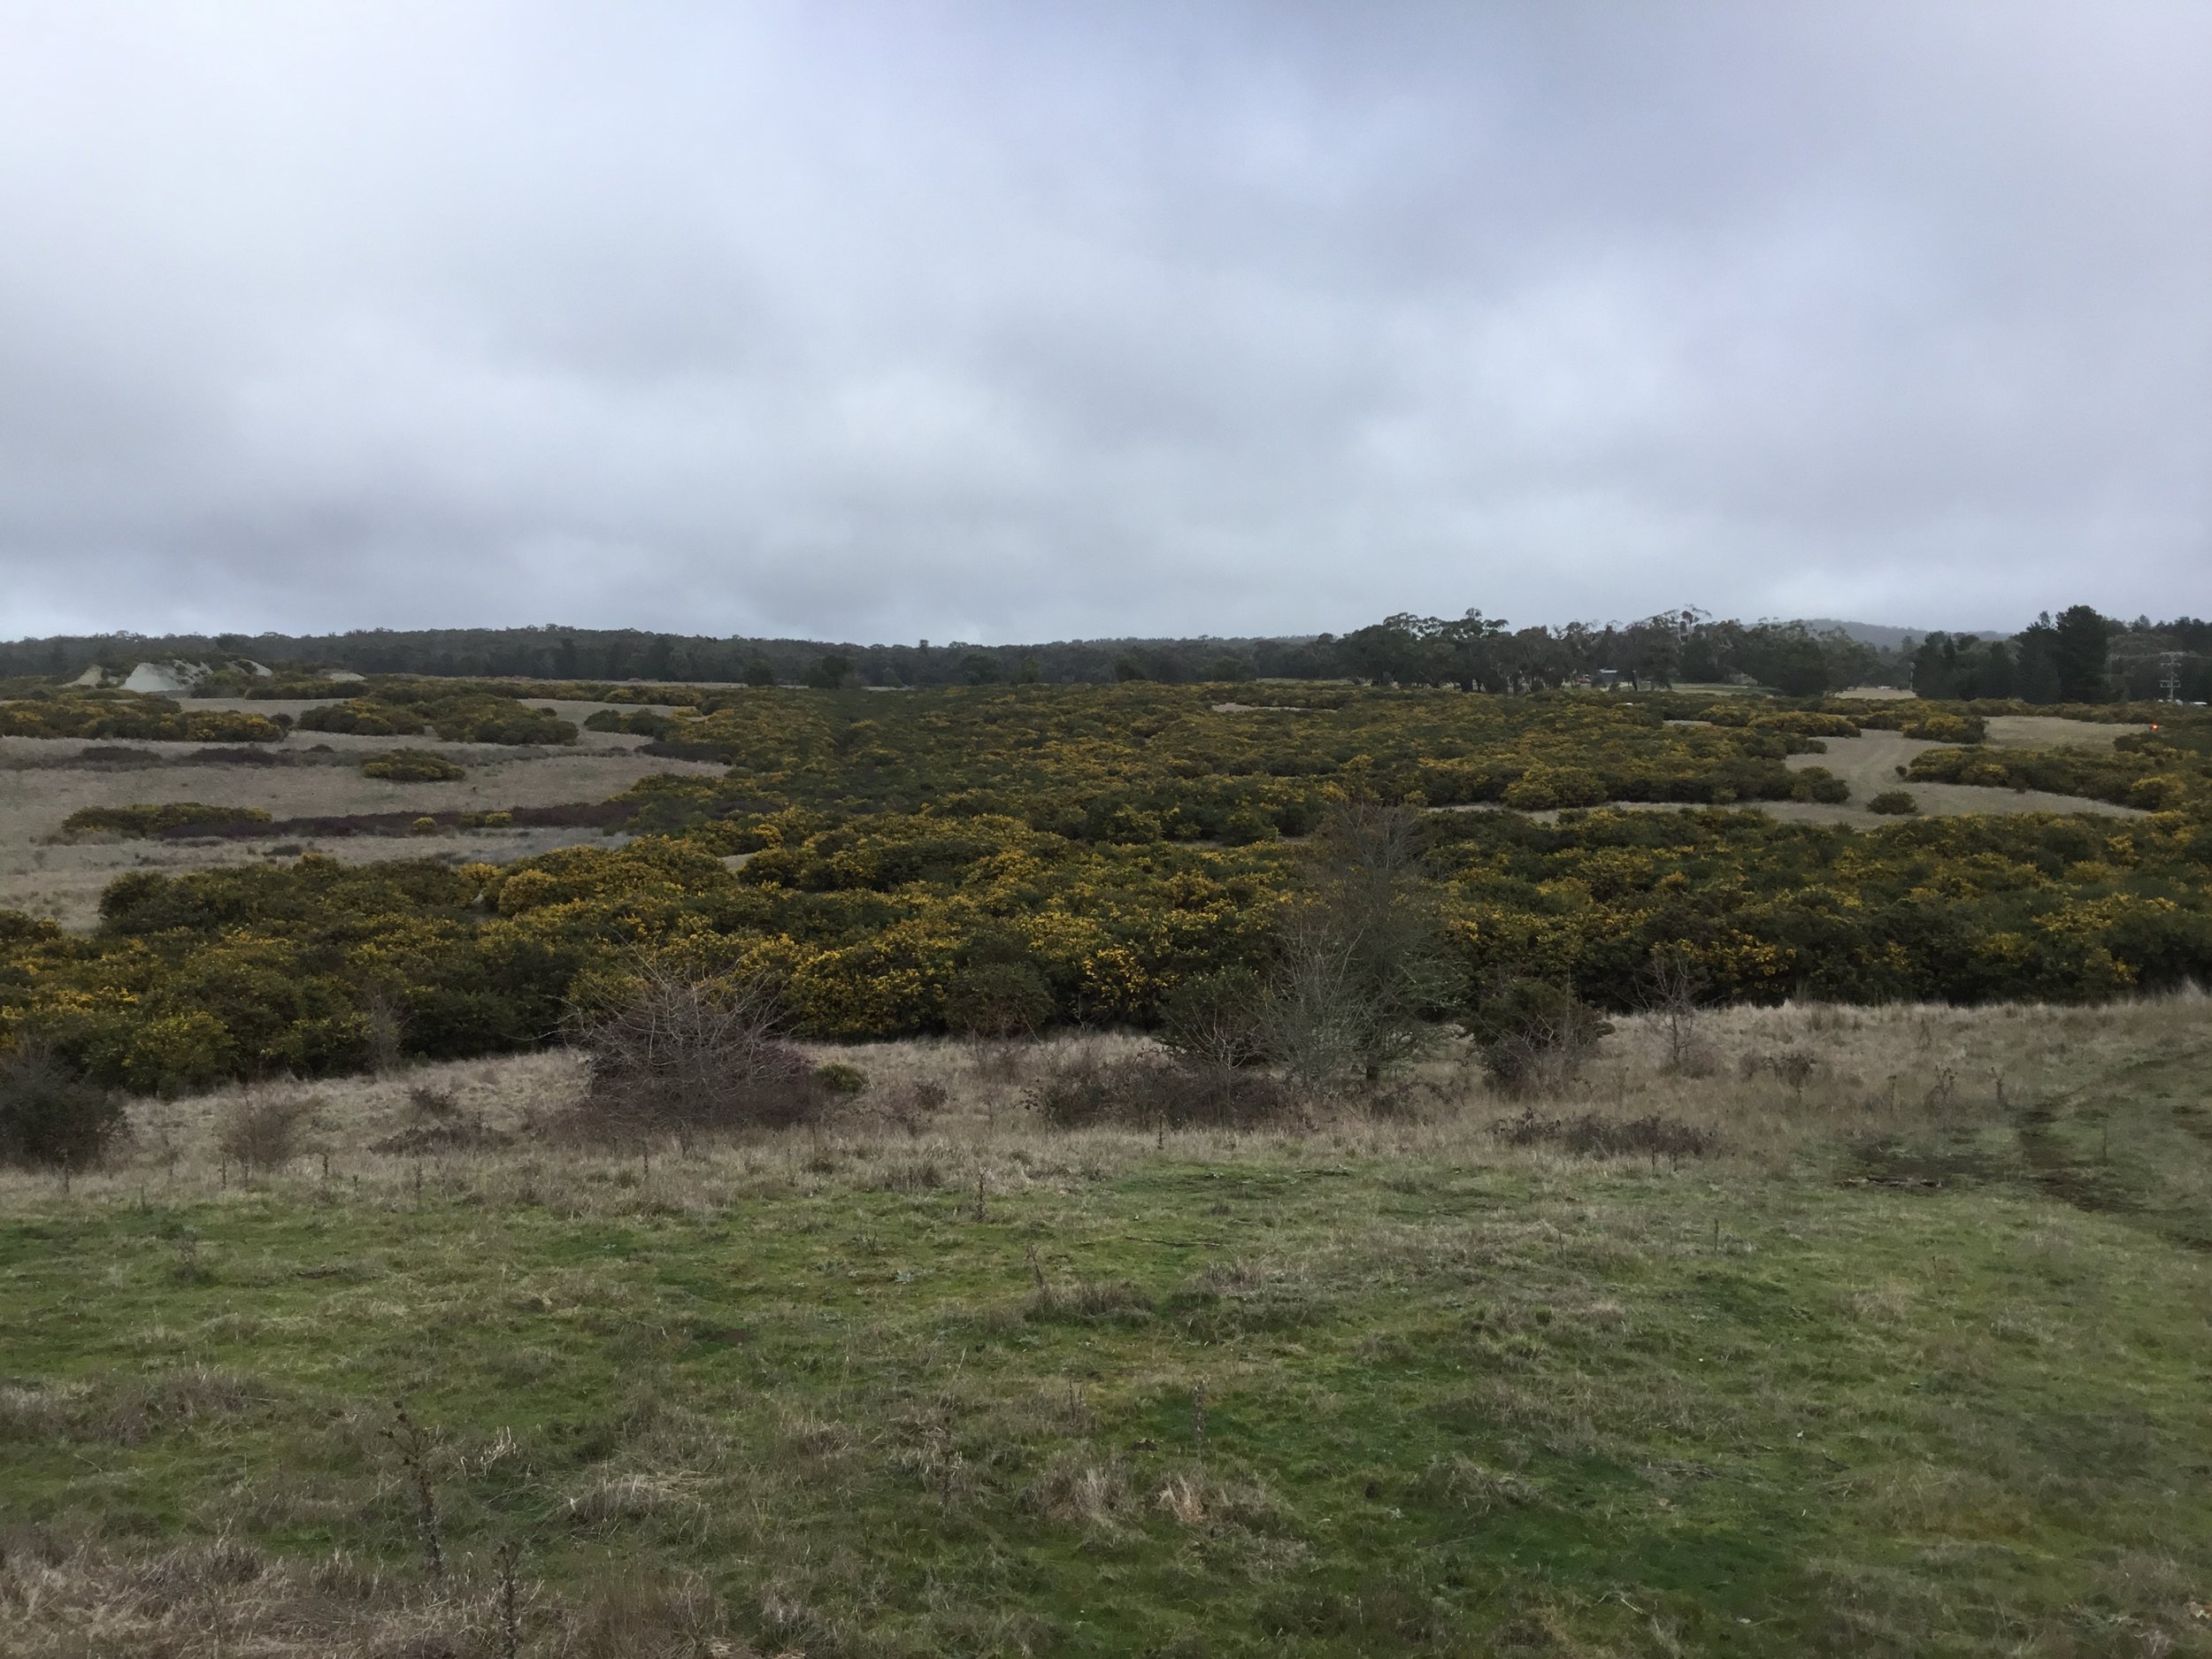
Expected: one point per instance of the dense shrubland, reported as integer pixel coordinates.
(466, 715)
(996, 861)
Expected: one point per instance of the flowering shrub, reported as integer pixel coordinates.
(993, 858)
(412, 765)
(139, 822)
(128, 715)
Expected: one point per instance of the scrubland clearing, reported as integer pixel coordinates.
(43, 781)
(1910, 1362)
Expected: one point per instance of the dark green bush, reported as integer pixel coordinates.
(147, 820)
(998, 1000)
(1817, 783)
(51, 1116)
(1893, 803)
(1148, 1091)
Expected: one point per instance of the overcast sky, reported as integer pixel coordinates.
(1033, 321)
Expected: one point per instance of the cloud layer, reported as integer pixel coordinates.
(1011, 321)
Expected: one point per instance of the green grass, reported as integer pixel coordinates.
(1450, 1405)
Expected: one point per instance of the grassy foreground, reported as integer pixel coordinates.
(1922, 1375)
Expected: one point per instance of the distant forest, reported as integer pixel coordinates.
(2078, 656)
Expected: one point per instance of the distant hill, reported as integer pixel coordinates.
(1888, 639)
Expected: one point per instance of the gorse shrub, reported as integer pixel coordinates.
(1817, 783)
(139, 822)
(412, 765)
(51, 1116)
(988, 858)
(998, 1000)
(128, 716)
(1893, 803)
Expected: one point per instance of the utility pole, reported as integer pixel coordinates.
(2169, 676)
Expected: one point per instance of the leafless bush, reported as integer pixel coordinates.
(1670, 991)
(266, 1135)
(1794, 1068)
(49, 1116)
(911, 1106)
(673, 1054)
(1361, 969)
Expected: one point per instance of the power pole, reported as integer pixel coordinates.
(2169, 676)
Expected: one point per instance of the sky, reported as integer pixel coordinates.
(1034, 320)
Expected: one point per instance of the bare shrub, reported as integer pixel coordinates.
(913, 1105)
(1671, 989)
(673, 1054)
(1217, 1020)
(266, 1135)
(1794, 1068)
(426, 1104)
(52, 1117)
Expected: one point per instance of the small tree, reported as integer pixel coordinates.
(1362, 970)
(1670, 989)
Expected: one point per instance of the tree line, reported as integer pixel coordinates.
(2080, 657)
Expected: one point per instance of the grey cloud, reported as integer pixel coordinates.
(1009, 321)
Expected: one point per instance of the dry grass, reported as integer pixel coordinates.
(1785, 1081)
(789, 1390)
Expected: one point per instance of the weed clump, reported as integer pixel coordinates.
(1590, 1135)
(1146, 1091)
